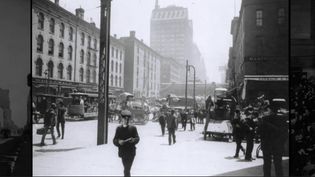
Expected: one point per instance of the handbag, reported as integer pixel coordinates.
(40, 131)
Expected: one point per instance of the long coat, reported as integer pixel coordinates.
(123, 133)
(171, 123)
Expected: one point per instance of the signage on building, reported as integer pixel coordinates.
(255, 59)
(266, 77)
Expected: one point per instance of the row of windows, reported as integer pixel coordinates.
(113, 51)
(116, 80)
(169, 14)
(41, 20)
(116, 67)
(259, 17)
(51, 46)
(88, 56)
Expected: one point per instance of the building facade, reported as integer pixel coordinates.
(142, 68)
(258, 62)
(65, 51)
(171, 71)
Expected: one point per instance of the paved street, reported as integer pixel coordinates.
(78, 154)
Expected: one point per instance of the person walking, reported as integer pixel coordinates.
(61, 119)
(274, 132)
(238, 132)
(49, 124)
(162, 123)
(171, 126)
(184, 120)
(193, 121)
(126, 138)
(250, 133)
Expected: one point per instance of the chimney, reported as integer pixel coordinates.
(79, 12)
(133, 34)
(57, 2)
(115, 36)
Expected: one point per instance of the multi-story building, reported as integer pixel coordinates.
(171, 33)
(65, 51)
(142, 68)
(259, 58)
(171, 71)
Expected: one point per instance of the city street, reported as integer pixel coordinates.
(78, 154)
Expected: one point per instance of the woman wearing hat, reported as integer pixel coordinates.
(126, 138)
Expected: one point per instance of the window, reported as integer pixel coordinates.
(70, 34)
(95, 44)
(88, 73)
(112, 65)
(39, 67)
(52, 26)
(41, 19)
(82, 38)
(60, 71)
(119, 81)
(259, 18)
(81, 74)
(116, 53)
(111, 80)
(89, 42)
(120, 55)
(50, 69)
(94, 59)
(120, 68)
(94, 76)
(51, 44)
(116, 68)
(69, 72)
(40, 41)
(62, 30)
(88, 58)
(82, 56)
(281, 16)
(116, 81)
(70, 52)
(113, 52)
(60, 53)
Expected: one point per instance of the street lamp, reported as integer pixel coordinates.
(188, 69)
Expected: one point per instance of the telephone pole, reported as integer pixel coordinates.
(102, 123)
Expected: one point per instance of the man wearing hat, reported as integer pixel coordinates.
(61, 119)
(238, 132)
(126, 137)
(49, 123)
(250, 133)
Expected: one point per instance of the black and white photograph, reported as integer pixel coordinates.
(161, 87)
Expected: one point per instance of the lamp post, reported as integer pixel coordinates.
(188, 69)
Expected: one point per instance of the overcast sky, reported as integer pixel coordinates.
(211, 23)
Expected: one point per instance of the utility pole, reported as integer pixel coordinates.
(205, 89)
(186, 85)
(194, 85)
(102, 123)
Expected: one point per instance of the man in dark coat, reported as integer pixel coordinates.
(274, 132)
(61, 119)
(171, 126)
(162, 123)
(49, 123)
(126, 137)
(250, 127)
(238, 132)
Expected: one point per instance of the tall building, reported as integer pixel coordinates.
(142, 68)
(65, 51)
(171, 71)
(259, 58)
(171, 32)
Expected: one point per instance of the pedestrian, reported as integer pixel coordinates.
(184, 120)
(193, 121)
(126, 137)
(274, 132)
(162, 123)
(49, 123)
(171, 126)
(61, 119)
(250, 133)
(238, 132)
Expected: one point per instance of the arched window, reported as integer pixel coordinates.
(50, 69)
(81, 74)
(51, 45)
(52, 25)
(94, 76)
(40, 41)
(82, 56)
(94, 59)
(82, 38)
(88, 58)
(60, 71)
(60, 53)
(39, 67)
(70, 33)
(88, 76)
(116, 67)
(111, 80)
(112, 65)
(119, 81)
(116, 81)
(62, 30)
(120, 68)
(70, 52)
(95, 44)
(41, 20)
(89, 41)
(69, 72)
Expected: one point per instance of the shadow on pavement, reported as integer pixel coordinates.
(57, 150)
(229, 158)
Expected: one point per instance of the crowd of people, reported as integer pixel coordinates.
(302, 134)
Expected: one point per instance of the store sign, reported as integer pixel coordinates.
(255, 59)
(267, 78)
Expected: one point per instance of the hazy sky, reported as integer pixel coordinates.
(211, 23)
